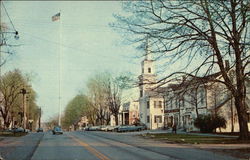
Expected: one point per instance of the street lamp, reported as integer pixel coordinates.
(16, 34)
(3, 42)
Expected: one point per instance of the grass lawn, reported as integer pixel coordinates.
(193, 139)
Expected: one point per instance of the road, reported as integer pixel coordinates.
(99, 146)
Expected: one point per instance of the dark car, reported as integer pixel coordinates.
(39, 130)
(94, 128)
(18, 129)
(57, 130)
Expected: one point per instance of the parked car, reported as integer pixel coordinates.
(140, 127)
(39, 130)
(86, 128)
(95, 128)
(57, 130)
(123, 129)
(18, 130)
(130, 128)
(112, 128)
(103, 128)
(8, 130)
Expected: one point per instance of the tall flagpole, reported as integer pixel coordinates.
(59, 83)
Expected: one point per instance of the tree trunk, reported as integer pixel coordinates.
(116, 119)
(232, 114)
(5, 121)
(242, 117)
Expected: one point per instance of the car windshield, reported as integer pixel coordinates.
(57, 129)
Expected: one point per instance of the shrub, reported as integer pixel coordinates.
(208, 123)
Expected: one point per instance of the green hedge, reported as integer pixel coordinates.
(208, 123)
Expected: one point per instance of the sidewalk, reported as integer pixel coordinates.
(182, 132)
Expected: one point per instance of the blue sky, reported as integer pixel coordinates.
(88, 45)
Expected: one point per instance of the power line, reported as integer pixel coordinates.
(9, 17)
(65, 46)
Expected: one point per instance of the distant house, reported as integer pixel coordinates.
(133, 112)
(81, 123)
(124, 114)
(129, 113)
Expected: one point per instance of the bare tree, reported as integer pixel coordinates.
(114, 99)
(115, 87)
(10, 86)
(97, 95)
(203, 34)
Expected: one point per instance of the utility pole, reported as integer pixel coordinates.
(27, 112)
(24, 92)
(39, 120)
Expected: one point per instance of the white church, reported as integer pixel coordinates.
(158, 109)
(151, 108)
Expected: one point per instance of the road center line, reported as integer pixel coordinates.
(89, 148)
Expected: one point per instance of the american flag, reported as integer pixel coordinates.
(56, 17)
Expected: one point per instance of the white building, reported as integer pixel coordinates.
(183, 104)
(184, 101)
(151, 108)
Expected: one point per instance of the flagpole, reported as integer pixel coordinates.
(60, 50)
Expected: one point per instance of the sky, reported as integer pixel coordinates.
(81, 41)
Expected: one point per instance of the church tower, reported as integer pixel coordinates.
(147, 79)
(151, 110)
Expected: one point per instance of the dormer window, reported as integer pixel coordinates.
(149, 70)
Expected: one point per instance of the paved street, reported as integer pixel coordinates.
(95, 146)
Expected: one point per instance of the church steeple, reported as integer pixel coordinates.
(147, 51)
(148, 77)
(147, 63)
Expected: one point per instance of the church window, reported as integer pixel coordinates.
(160, 104)
(155, 104)
(141, 93)
(202, 96)
(148, 104)
(148, 119)
(149, 70)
